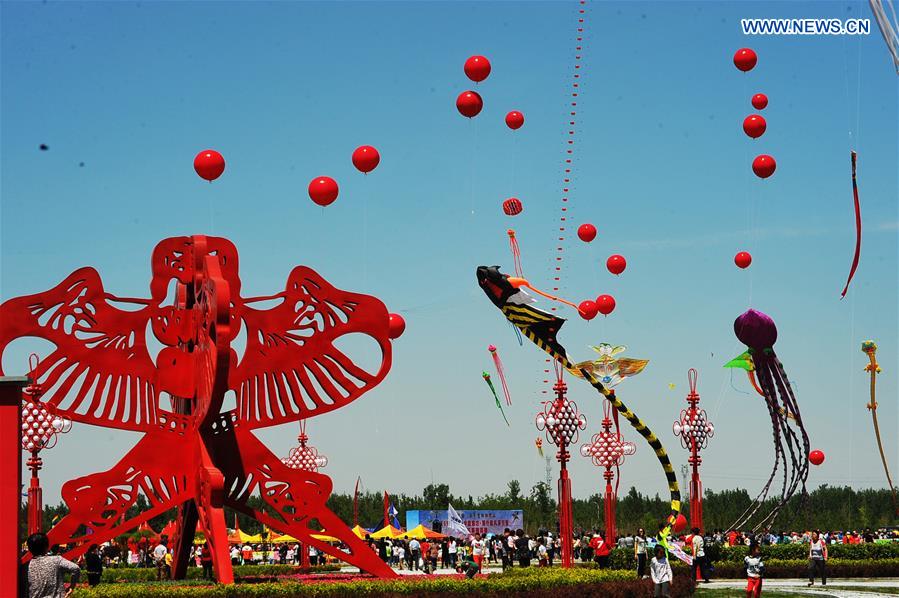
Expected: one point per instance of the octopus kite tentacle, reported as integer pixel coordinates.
(870, 349)
(759, 333)
(541, 328)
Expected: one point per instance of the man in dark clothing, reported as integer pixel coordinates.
(522, 548)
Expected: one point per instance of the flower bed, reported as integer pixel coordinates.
(532, 583)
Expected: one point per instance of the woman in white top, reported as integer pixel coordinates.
(660, 570)
(817, 560)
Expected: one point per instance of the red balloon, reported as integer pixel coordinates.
(586, 232)
(743, 259)
(469, 103)
(680, 523)
(764, 166)
(396, 326)
(616, 264)
(323, 190)
(477, 68)
(512, 206)
(745, 59)
(754, 125)
(759, 101)
(366, 158)
(588, 309)
(514, 120)
(816, 457)
(605, 304)
(209, 164)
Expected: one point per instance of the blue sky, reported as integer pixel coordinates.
(286, 90)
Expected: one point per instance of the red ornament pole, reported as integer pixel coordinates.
(694, 430)
(35, 498)
(307, 458)
(10, 479)
(607, 450)
(561, 421)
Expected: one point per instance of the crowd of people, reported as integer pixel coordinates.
(512, 548)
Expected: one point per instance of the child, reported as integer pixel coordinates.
(755, 568)
(660, 569)
(542, 554)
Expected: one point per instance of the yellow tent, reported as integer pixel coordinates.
(325, 538)
(283, 539)
(420, 532)
(239, 536)
(255, 538)
(361, 532)
(388, 532)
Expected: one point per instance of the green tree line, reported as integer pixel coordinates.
(832, 508)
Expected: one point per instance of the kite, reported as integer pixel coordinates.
(493, 390)
(791, 446)
(744, 362)
(610, 370)
(858, 227)
(501, 373)
(541, 328)
(539, 444)
(870, 349)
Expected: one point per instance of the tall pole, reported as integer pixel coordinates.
(35, 496)
(10, 479)
(694, 430)
(607, 450)
(561, 421)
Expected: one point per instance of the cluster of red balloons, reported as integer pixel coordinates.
(470, 103)
(604, 304)
(323, 190)
(755, 125)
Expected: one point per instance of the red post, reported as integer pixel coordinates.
(386, 509)
(35, 498)
(611, 501)
(10, 479)
(565, 510)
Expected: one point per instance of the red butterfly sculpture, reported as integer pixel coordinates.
(194, 455)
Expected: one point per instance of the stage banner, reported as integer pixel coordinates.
(477, 522)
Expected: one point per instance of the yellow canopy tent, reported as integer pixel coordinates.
(283, 539)
(239, 537)
(325, 538)
(388, 532)
(420, 532)
(255, 538)
(360, 531)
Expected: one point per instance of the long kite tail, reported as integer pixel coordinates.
(524, 317)
(499, 405)
(858, 228)
(870, 349)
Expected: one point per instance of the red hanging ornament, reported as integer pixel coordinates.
(745, 59)
(588, 309)
(366, 158)
(396, 326)
(512, 206)
(323, 190)
(764, 166)
(754, 125)
(586, 232)
(680, 524)
(469, 103)
(759, 101)
(477, 68)
(209, 164)
(816, 457)
(514, 120)
(605, 304)
(743, 259)
(616, 264)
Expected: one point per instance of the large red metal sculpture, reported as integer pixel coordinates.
(194, 455)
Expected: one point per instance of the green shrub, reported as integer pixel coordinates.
(850, 552)
(798, 569)
(532, 583)
(129, 574)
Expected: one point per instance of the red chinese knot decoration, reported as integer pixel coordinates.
(694, 430)
(102, 373)
(305, 457)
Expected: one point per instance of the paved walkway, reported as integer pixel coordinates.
(839, 588)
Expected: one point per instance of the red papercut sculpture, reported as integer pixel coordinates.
(194, 455)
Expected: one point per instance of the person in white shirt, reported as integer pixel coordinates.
(453, 552)
(159, 558)
(699, 560)
(542, 554)
(660, 571)
(640, 553)
(235, 555)
(477, 551)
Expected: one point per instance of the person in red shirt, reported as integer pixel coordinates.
(425, 554)
(601, 549)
